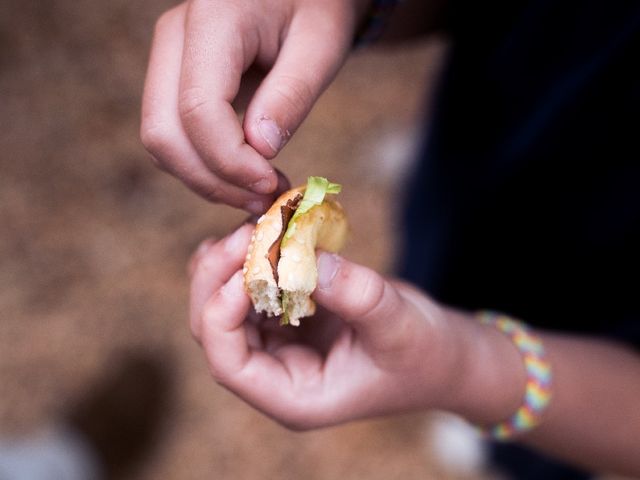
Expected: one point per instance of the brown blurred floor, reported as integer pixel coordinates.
(94, 241)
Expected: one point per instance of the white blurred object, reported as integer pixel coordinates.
(55, 454)
(456, 445)
(390, 155)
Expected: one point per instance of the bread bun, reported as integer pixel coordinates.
(280, 276)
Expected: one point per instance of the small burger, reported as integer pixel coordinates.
(280, 269)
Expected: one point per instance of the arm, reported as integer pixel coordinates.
(382, 347)
(593, 419)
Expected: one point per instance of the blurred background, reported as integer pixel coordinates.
(94, 242)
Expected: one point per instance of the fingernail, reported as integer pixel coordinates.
(327, 269)
(264, 185)
(271, 133)
(256, 207)
(234, 242)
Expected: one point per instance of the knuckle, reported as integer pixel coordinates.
(297, 423)
(154, 135)
(370, 296)
(209, 264)
(191, 102)
(217, 374)
(218, 370)
(301, 416)
(156, 140)
(163, 20)
(222, 169)
(195, 331)
(295, 92)
(294, 425)
(212, 192)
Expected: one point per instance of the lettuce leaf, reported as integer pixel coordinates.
(284, 320)
(317, 188)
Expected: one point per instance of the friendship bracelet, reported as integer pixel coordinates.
(375, 22)
(538, 390)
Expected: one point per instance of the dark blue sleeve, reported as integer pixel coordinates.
(527, 196)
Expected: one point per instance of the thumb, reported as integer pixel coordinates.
(359, 295)
(308, 60)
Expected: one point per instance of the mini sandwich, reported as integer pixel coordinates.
(280, 269)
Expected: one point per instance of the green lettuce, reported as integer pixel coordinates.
(317, 188)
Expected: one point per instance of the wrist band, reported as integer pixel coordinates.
(538, 390)
(375, 22)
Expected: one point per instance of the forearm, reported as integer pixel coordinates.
(594, 416)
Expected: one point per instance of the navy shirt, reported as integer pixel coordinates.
(527, 198)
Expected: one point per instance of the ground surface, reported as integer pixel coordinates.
(94, 240)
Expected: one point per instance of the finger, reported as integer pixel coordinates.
(250, 373)
(254, 339)
(284, 183)
(161, 130)
(360, 296)
(224, 337)
(283, 381)
(194, 261)
(285, 384)
(213, 269)
(275, 336)
(301, 73)
(214, 58)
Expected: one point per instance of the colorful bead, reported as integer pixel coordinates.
(538, 388)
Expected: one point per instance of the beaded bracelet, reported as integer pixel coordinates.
(375, 22)
(538, 390)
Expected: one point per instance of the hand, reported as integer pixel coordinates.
(201, 49)
(374, 347)
(379, 347)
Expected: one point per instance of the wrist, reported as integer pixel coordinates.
(489, 378)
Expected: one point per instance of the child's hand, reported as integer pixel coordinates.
(201, 50)
(374, 347)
